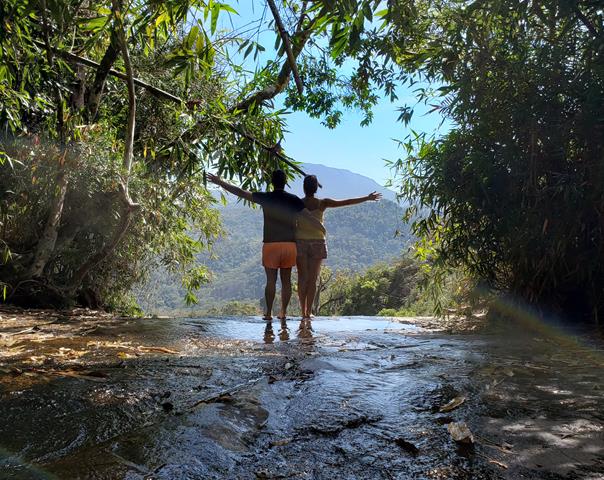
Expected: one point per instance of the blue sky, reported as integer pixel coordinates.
(350, 146)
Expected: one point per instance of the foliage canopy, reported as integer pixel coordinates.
(514, 192)
(111, 112)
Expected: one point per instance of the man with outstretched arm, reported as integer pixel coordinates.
(281, 210)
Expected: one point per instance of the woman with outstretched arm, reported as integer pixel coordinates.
(311, 243)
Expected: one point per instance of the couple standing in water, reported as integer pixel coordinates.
(294, 235)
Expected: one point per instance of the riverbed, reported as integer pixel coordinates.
(96, 397)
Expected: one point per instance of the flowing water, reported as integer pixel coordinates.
(351, 398)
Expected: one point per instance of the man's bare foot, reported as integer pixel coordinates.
(267, 317)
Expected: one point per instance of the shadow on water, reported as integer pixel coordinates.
(332, 398)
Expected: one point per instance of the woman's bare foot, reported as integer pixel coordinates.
(267, 317)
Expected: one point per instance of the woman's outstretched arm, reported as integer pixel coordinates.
(330, 203)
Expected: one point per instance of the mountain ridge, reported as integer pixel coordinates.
(356, 185)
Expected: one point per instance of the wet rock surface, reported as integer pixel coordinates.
(105, 398)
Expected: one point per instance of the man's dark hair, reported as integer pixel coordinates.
(311, 184)
(278, 179)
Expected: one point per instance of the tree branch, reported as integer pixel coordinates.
(275, 150)
(157, 92)
(123, 44)
(270, 92)
(100, 77)
(286, 43)
(299, 40)
(587, 22)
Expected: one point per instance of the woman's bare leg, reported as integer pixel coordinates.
(313, 272)
(301, 264)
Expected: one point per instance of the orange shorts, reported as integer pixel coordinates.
(279, 254)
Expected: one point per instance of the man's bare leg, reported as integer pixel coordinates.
(286, 290)
(269, 291)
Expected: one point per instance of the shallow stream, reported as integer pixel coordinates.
(350, 398)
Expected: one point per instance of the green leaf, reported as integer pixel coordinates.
(248, 50)
(191, 37)
(227, 8)
(367, 11)
(95, 24)
(214, 18)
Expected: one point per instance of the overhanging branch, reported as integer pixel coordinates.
(270, 92)
(299, 40)
(159, 93)
(287, 45)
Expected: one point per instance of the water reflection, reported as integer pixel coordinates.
(304, 332)
(284, 332)
(305, 329)
(269, 334)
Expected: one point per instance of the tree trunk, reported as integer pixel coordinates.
(79, 89)
(46, 244)
(129, 206)
(47, 241)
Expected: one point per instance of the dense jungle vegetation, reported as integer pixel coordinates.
(396, 288)
(112, 111)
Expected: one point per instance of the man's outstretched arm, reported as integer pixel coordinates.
(312, 219)
(240, 192)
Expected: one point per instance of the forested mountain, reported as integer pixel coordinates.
(358, 237)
